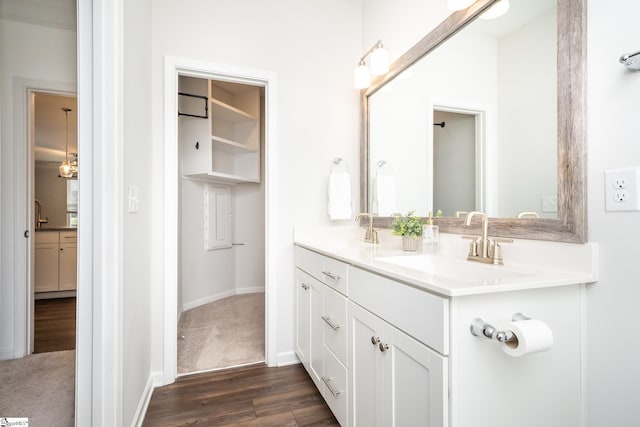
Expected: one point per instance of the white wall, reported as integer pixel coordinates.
(312, 47)
(46, 57)
(527, 130)
(613, 129)
(136, 241)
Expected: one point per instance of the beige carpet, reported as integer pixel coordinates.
(224, 333)
(39, 387)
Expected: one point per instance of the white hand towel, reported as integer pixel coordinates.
(339, 195)
(386, 195)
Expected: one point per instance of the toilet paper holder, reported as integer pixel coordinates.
(480, 328)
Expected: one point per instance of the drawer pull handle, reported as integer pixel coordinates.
(375, 340)
(305, 286)
(332, 275)
(333, 391)
(384, 347)
(330, 323)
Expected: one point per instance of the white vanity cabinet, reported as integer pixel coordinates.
(411, 359)
(395, 380)
(321, 326)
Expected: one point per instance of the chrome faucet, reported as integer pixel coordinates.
(39, 219)
(483, 248)
(371, 235)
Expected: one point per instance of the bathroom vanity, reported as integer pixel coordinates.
(385, 334)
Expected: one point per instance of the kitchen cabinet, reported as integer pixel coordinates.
(222, 142)
(55, 266)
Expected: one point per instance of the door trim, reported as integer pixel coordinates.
(174, 66)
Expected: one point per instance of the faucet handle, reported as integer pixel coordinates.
(473, 246)
(496, 249)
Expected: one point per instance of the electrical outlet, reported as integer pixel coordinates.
(622, 189)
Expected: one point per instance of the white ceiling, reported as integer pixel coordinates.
(49, 126)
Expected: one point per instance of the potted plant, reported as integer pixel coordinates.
(410, 228)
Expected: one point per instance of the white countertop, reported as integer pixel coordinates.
(543, 264)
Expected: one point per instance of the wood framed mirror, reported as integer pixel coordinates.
(570, 222)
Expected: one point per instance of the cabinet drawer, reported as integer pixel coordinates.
(68, 236)
(420, 314)
(334, 389)
(335, 323)
(46, 236)
(328, 270)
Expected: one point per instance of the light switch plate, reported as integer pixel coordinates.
(622, 189)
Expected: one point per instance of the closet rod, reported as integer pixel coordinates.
(206, 106)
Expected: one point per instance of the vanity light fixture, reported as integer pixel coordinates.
(497, 10)
(459, 4)
(378, 65)
(65, 169)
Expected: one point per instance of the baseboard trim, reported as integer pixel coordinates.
(221, 295)
(287, 358)
(141, 411)
(6, 353)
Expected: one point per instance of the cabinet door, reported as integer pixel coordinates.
(365, 373)
(68, 267)
(46, 267)
(415, 382)
(301, 325)
(315, 332)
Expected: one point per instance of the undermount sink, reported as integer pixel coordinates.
(454, 269)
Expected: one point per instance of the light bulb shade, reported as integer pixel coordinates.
(379, 61)
(65, 169)
(497, 10)
(361, 77)
(459, 4)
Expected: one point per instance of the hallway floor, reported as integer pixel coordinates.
(248, 396)
(54, 325)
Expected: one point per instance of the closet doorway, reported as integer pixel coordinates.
(221, 286)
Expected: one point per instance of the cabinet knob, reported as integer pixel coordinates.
(305, 287)
(383, 347)
(375, 340)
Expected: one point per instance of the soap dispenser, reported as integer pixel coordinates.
(430, 236)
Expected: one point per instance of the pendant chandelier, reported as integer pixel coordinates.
(68, 169)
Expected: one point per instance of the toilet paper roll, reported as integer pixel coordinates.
(531, 336)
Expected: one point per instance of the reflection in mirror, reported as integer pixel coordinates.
(520, 89)
(493, 84)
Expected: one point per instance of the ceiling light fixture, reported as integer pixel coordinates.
(497, 10)
(459, 4)
(65, 169)
(378, 65)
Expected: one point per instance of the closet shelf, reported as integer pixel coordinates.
(220, 177)
(229, 113)
(229, 146)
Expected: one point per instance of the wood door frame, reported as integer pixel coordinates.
(173, 67)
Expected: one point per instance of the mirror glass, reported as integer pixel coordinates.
(473, 124)
(514, 164)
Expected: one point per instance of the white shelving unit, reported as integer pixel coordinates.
(223, 146)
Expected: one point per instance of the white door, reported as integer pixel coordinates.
(315, 332)
(415, 382)
(365, 371)
(302, 317)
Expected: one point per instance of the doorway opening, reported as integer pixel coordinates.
(216, 196)
(459, 160)
(53, 264)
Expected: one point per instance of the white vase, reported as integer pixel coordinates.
(409, 243)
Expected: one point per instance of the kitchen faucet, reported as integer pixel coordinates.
(39, 219)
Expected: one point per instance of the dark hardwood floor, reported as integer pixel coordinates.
(54, 325)
(249, 396)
